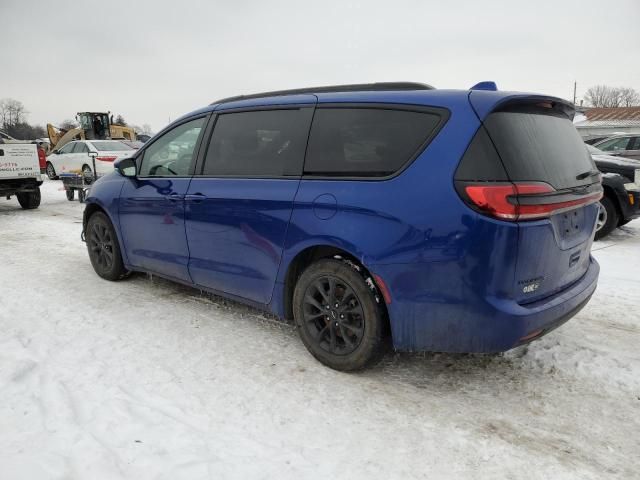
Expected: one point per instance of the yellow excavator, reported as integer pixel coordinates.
(93, 126)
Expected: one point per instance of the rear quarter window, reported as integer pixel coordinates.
(366, 141)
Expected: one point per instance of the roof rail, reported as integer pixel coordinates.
(359, 87)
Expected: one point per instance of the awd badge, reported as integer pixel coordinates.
(531, 285)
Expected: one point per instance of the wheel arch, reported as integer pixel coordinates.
(89, 210)
(313, 253)
(94, 207)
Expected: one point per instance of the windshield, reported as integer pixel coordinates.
(111, 146)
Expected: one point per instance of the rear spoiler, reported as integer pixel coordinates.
(485, 100)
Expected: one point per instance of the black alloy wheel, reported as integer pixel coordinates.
(333, 315)
(339, 316)
(103, 247)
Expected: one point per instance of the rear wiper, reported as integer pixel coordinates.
(590, 173)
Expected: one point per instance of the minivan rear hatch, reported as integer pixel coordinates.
(547, 183)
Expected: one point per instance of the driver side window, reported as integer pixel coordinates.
(172, 153)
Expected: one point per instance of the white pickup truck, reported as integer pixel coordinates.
(22, 166)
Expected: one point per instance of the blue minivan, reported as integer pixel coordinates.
(440, 220)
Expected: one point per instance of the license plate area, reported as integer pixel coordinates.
(571, 223)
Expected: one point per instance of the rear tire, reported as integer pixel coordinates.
(103, 248)
(70, 194)
(607, 218)
(29, 200)
(337, 316)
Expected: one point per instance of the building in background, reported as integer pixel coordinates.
(599, 123)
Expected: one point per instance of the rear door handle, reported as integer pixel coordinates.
(195, 197)
(174, 197)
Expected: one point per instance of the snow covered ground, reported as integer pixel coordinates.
(144, 379)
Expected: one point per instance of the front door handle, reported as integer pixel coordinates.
(195, 197)
(174, 197)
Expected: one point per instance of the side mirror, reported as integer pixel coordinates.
(126, 167)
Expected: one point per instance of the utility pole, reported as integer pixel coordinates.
(575, 86)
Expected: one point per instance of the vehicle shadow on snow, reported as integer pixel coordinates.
(12, 206)
(421, 370)
(459, 371)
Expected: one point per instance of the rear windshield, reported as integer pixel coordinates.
(543, 148)
(111, 146)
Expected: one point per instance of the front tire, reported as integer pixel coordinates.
(338, 317)
(103, 247)
(29, 200)
(607, 218)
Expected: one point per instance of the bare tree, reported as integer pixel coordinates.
(25, 131)
(611, 97)
(12, 112)
(4, 113)
(120, 121)
(68, 124)
(598, 96)
(629, 97)
(145, 129)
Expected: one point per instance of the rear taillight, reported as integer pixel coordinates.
(523, 200)
(42, 159)
(106, 159)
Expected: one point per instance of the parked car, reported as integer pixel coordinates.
(627, 145)
(591, 141)
(21, 173)
(75, 157)
(451, 221)
(621, 181)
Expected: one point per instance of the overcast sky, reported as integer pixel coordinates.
(154, 61)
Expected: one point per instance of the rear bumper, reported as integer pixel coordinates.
(19, 185)
(483, 325)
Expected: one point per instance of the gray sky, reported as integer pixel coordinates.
(151, 61)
